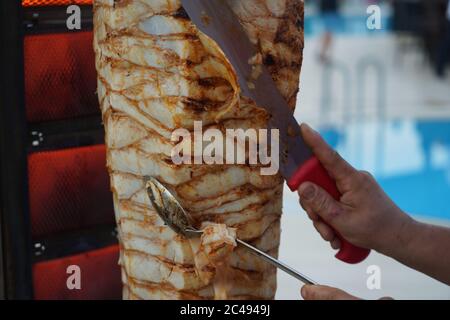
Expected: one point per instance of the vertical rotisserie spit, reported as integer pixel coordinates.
(157, 73)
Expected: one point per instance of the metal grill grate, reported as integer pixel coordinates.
(60, 76)
(100, 276)
(69, 190)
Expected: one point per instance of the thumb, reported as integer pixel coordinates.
(317, 201)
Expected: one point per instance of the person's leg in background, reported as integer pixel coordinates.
(327, 39)
(331, 24)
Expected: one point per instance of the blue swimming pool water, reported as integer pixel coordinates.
(348, 25)
(409, 158)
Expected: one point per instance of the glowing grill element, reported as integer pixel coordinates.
(69, 190)
(41, 3)
(60, 80)
(100, 276)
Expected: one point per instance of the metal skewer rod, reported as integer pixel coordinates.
(277, 263)
(268, 258)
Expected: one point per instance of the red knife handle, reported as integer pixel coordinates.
(313, 171)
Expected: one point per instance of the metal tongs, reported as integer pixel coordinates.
(173, 214)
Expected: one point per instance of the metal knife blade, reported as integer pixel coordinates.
(216, 19)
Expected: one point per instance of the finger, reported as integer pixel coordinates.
(337, 167)
(316, 292)
(321, 203)
(324, 230)
(336, 243)
(313, 216)
(310, 213)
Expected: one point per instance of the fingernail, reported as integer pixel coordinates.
(308, 192)
(304, 291)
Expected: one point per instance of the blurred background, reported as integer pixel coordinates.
(382, 98)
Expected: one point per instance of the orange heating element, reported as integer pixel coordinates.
(36, 3)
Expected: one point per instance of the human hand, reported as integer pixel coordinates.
(316, 292)
(365, 216)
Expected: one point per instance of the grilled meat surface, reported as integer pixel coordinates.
(157, 73)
